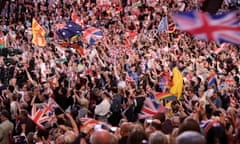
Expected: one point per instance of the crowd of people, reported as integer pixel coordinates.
(100, 93)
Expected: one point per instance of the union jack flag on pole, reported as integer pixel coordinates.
(221, 28)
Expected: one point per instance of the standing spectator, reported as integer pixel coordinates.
(6, 127)
(102, 110)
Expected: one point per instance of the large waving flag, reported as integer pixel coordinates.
(221, 28)
(150, 108)
(177, 87)
(70, 29)
(38, 34)
(91, 34)
(163, 25)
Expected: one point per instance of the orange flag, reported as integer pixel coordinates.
(38, 34)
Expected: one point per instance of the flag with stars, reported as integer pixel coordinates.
(70, 29)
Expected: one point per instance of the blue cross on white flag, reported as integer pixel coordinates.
(163, 25)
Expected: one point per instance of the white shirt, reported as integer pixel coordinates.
(103, 108)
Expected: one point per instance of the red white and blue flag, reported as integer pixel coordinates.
(221, 28)
(49, 106)
(38, 116)
(91, 34)
(212, 80)
(150, 108)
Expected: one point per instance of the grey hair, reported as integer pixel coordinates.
(190, 137)
(158, 138)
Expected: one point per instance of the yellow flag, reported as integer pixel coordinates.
(177, 87)
(38, 34)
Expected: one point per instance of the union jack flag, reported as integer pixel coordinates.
(38, 116)
(212, 80)
(206, 125)
(150, 108)
(91, 34)
(49, 106)
(220, 28)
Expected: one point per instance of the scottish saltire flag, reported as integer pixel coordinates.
(150, 108)
(221, 28)
(163, 25)
(38, 116)
(91, 34)
(70, 29)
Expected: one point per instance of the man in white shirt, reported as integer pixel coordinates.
(103, 109)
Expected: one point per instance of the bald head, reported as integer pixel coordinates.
(103, 137)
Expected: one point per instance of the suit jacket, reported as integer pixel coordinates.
(6, 127)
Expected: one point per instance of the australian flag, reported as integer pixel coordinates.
(69, 30)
